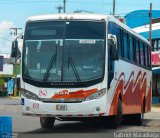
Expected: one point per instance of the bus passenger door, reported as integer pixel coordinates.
(112, 52)
(110, 67)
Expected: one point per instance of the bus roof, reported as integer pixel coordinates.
(75, 16)
(85, 16)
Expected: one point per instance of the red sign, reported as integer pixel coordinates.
(156, 58)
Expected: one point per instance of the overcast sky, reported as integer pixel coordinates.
(13, 13)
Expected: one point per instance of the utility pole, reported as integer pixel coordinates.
(59, 8)
(15, 29)
(64, 6)
(150, 25)
(113, 8)
(15, 66)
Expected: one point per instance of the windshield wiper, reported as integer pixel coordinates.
(50, 66)
(70, 60)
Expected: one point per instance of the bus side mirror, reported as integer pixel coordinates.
(112, 43)
(15, 52)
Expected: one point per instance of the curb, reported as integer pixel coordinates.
(156, 105)
(155, 109)
(15, 97)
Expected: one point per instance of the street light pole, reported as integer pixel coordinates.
(15, 72)
(113, 7)
(15, 65)
(150, 25)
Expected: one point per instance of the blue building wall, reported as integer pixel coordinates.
(140, 18)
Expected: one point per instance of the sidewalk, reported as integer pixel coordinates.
(155, 108)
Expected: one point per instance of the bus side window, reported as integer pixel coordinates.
(134, 49)
(131, 48)
(158, 43)
(144, 54)
(137, 52)
(122, 43)
(141, 53)
(128, 47)
(125, 45)
(117, 31)
(111, 28)
(146, 57)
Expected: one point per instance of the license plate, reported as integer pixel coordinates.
(61, 107)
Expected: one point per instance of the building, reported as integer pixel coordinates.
(7, 72)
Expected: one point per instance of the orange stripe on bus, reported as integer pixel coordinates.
(76, 94)
(132, 99)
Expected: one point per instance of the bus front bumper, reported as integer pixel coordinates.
(97, 107)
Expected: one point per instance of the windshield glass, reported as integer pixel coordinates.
(64, 51)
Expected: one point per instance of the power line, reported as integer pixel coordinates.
(5, 39)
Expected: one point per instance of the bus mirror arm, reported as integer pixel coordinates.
(112, 43)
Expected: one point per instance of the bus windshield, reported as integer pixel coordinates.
(64, 51)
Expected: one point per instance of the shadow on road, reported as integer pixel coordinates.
(84, 127)
(72, 127)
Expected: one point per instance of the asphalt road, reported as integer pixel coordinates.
(27, 126)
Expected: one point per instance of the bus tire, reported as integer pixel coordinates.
(47, 122)
(139, 117)
(116, 119)
(136, 119)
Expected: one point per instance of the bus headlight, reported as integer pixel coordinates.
(29, 95)
(96, 95)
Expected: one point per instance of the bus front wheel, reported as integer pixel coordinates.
(47, 122)
(115, 120)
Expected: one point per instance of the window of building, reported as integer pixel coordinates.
(158, 43)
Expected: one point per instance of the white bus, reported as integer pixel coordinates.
(84, 66)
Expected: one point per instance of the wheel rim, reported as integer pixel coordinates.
(42, 119)
(142, 116)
